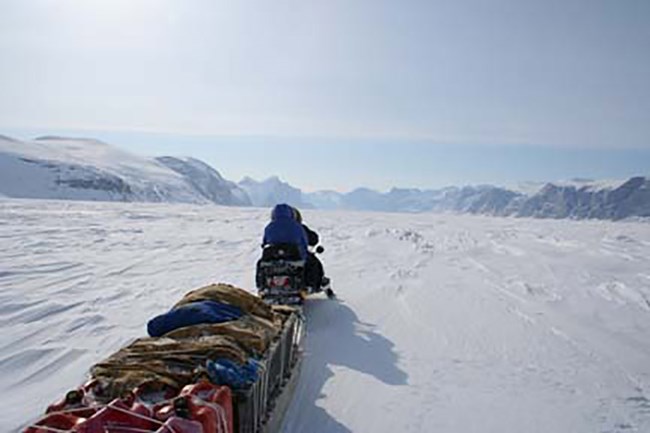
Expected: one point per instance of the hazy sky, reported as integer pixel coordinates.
(377, 93)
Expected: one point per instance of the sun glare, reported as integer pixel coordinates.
(116, 23)
(114, 11)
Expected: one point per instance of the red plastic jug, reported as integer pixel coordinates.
(73, 403)
(180, 425)
(221, 396)
(58, 421)
(120, 416)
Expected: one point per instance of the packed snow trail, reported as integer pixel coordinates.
(462, 333)
(445, 323)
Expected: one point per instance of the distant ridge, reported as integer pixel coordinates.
(272, 191)
(56, 167)
(62, 138)
(207, 181)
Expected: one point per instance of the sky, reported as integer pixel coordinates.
(334, 94)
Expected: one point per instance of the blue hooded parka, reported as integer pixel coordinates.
(284, 229)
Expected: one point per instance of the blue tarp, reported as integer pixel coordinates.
(236, 376)
(192, 314)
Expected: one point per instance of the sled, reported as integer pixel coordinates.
(258, 408)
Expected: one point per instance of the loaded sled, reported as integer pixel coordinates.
(235, 376)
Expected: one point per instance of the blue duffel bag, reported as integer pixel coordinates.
(195, 313)
(237, 376)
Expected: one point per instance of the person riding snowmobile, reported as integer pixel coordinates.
(314, 272)
(285, 229)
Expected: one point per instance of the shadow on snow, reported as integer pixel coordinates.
(336, 337)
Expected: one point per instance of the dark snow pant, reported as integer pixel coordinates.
(314, 272)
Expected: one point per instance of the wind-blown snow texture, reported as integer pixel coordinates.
(447, 323)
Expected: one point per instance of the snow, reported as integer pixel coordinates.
(43, 168)
(207, 181)
(271, 191)
(96, 153)
(326, 199)
(532, 188)
(87, 169)
(446, 323)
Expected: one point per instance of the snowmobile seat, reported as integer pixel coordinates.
(289, 252)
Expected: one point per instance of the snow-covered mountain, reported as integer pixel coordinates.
(207, 181)
(87, 169)
(575, 199)
(364, 199)
(325, 199)
(483, 199)
(272, 191)
(628, 199)
(486, 199)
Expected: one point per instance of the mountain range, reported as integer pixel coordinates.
(53, 167)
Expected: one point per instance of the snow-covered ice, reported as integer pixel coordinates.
(446, 323)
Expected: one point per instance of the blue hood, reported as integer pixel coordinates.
(282, 211)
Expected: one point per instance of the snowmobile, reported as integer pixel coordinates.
(280, 276)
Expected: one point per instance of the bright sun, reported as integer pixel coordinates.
(106, 23)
